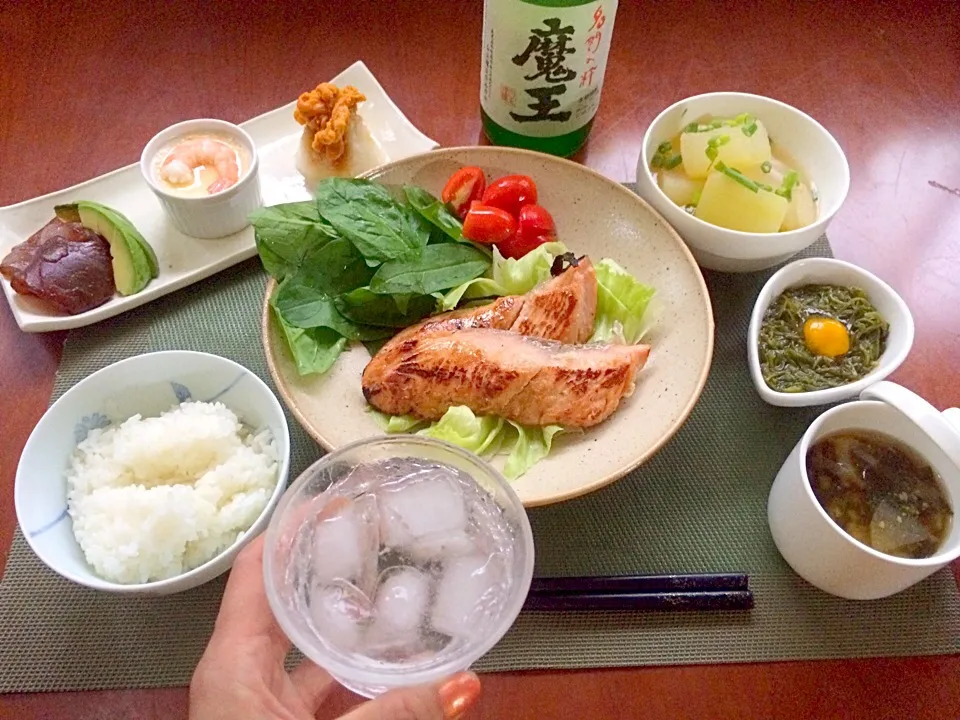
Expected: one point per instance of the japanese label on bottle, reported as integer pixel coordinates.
(543, 66)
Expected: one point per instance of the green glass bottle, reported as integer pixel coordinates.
(542, 69)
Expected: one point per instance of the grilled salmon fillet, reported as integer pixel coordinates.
(524, 379)
(563, 309)
(498, 315)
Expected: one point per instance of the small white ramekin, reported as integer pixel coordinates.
(828, 271)
(213, 216)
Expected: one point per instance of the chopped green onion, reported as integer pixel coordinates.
(657, 161)
(750, 129)
(764, 186)
(665, 147)
(716, 124)
(712, 152)
(691, 127)
(766, 166)
(734, 174)
(672, 162)
(743, 119)
(789, 180)
(717, 141)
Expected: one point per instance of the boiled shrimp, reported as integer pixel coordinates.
(186, 157)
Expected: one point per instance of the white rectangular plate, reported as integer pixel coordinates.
(183, 259)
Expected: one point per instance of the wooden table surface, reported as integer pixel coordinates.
(83, 87)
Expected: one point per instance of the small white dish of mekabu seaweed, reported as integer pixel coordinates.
(897, 339)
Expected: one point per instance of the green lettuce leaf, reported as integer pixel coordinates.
(531, 446)
(621, 304)
(485, 435)
(507, 276)
(395, 423)
(460, 426)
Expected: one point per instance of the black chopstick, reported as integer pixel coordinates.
(710, 591)
(707, 582)
(718, 600)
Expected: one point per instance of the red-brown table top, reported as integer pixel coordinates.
(83, 88)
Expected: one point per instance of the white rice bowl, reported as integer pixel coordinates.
(152, 498)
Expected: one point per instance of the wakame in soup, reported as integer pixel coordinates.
(880, 492)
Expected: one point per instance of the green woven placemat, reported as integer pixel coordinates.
(699, 505)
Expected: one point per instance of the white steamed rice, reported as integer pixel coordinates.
(155, 497)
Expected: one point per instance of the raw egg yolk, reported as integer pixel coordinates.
(826, 336)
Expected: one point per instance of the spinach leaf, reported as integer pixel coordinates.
(439, 267)
(335, 268)
(368, 308)
(402, 301)
(305, 306)
(284, 233)
(366, 214)
(434, 211)
(314, 350)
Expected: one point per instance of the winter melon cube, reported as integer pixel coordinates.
(739, 151)
(728, 203)
(678, 187)
(802, 209)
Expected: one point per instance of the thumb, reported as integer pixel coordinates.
(448, 700)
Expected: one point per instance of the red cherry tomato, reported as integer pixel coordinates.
(534, 228)
(511, 193)
(465, 186)
(488, 225)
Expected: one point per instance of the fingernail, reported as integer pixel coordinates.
(458, 694)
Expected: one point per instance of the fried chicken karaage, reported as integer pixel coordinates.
(327, 112)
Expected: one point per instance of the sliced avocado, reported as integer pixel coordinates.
(132, 269)
(67, 213)
(151, 255)
(129, 230)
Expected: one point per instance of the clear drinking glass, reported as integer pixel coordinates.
(396, 561)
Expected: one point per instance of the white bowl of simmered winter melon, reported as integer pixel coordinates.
(746, 180)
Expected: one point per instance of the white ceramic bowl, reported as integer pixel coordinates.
(806, 140)
(815, 546)
(146, 384)
(832, 272)
(212, 216)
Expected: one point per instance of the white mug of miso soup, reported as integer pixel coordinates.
(816, 546)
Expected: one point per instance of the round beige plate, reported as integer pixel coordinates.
(597, 217)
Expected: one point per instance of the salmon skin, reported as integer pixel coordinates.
(495, 372)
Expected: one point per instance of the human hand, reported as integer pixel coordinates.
(241, 674)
